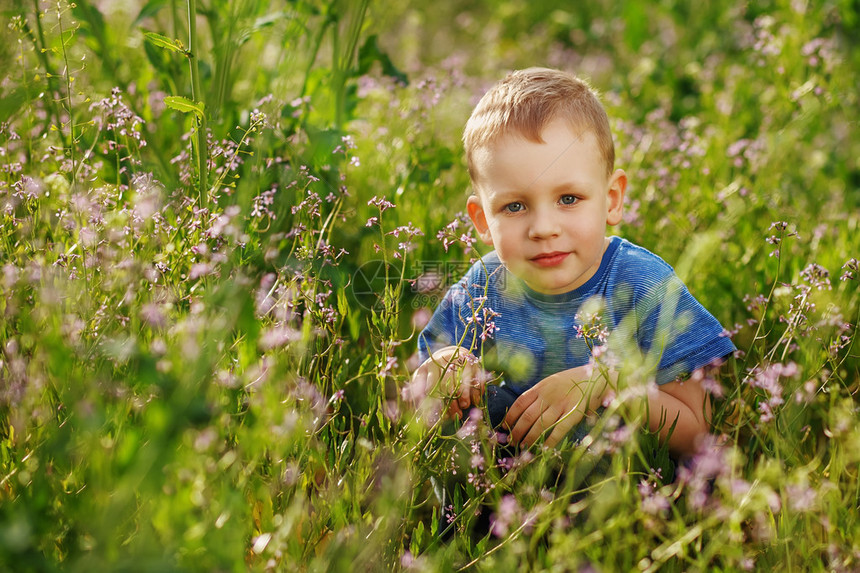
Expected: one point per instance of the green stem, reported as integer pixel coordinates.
(338, 80)
(313, 57)
(69, 108)
(197, 95)
(42, 52)
(175, 12)
(29, 117)
(225, 48)
(343, 60)
(792, 326)
(251, 127)
(764, 310)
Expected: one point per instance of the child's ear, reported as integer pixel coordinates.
(615, 197)
(479, 219)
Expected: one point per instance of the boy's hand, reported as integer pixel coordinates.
(452, 371)
(558, 402)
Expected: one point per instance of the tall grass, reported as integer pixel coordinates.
(209, 310)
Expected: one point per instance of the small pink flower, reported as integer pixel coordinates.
(198, 270)
(421, 317)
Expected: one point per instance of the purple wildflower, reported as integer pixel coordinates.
(381, 203)
(817, 276)
(851, 267)
(709, 462)
(507, 513)
(652, 501)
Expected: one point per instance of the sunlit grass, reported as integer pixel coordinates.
(216, 381)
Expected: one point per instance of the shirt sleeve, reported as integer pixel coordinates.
(675, 327)
(441, 331)
(452, 322)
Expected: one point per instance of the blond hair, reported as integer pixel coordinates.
(527, 100)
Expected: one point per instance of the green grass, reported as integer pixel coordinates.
(201, 362)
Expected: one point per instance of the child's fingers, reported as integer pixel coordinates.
(444, 379)
(515, 412)
(454, 411)
(477, 393)
(534, 422)
(480, 386)
(561, 428)
(476, 379)
(543, 421)
(467, 377)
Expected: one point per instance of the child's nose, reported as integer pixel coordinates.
(544, 226)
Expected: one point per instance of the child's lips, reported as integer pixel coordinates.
(549, 259)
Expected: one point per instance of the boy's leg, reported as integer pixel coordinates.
(499, 400)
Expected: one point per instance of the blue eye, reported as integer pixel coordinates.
(515, 207)
(568, 199)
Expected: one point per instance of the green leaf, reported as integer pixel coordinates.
(636, 20)
(269, 20)
(417, 537)
(322, 141)
(369, 53)
(342, 304)
(159, 59)
(95, 22)
(149, 10)
(164, 42)
(11, 102)
(184, 105)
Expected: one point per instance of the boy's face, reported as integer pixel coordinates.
(545, 206)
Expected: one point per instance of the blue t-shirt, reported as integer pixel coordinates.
(526, 336)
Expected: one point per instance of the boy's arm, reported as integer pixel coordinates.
(687, 401)
(560, 401)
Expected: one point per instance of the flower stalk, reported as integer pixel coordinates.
(200, 151)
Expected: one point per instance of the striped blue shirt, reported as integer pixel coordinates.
(526, 336)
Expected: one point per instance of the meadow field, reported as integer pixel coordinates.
(220, 235)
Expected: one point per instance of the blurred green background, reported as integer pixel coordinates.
(191, 379)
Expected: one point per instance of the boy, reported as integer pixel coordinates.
(541, 159)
